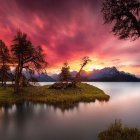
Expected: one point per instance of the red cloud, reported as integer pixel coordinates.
(67, 30)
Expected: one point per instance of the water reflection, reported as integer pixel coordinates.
(44, 122)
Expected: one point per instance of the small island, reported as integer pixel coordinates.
(65, 93)
(61, 98)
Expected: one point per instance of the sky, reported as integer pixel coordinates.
(69, 30)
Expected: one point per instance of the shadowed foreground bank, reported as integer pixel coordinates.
(62, 98)
(118, 131)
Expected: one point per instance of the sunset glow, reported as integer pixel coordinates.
(68, 31)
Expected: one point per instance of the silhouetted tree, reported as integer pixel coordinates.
(4, 60)
(85, 61)
(65, 74)
(26, 56)
(125, 15)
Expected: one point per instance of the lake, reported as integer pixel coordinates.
(30, 121)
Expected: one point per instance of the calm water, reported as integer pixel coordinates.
(42, 122)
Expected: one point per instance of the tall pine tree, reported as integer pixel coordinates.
(65, 74)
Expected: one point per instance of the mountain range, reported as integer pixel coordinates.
(43, 77)
(112, 75)
(108, 74)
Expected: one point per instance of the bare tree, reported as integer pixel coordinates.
(85, 61)
(124, 15)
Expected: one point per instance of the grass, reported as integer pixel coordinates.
(62, 98)
(118, 131)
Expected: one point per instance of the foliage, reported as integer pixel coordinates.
(118, 131)
(85, 61)
(26, 56)
(124, 14)
(4, 60)
(65, 74)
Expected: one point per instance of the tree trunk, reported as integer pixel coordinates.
(3, 74)
(18, 74)
(4, 79)
(17, 79)
(77, 77)
(2, 82)
(16, 86)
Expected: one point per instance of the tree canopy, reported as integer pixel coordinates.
(4, 61)
(26, 56)
(65, 74)
(124, 15)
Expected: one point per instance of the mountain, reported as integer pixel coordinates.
(55, 77)
(43, 77)
(111, 74)
(108, 74)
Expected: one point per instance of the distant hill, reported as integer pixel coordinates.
(112, 75)
(108, 74)
(43, 78)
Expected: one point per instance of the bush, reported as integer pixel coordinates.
(117, 131)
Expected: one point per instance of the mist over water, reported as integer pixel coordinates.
(83, 122)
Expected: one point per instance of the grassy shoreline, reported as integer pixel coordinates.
(61, 98)
(118, 131)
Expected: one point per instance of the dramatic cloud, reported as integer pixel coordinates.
(67, 31)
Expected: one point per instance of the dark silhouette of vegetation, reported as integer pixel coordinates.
(65, 74)
(118, 131)
(64, 78)
(4, 61)
(85, 61)
(125, 15)
(26, 56)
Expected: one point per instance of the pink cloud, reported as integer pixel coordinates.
(67, 31)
